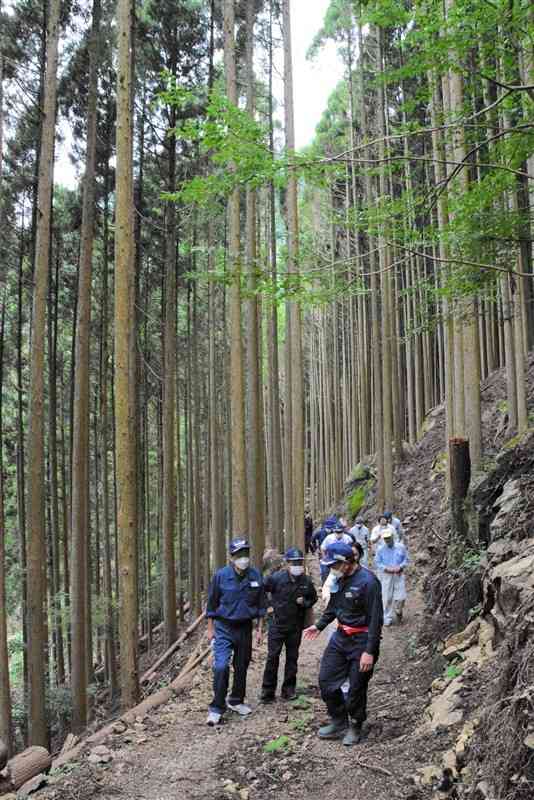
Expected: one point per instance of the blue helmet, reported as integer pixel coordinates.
(294, 554)
(338, 552)
(330, 522)
(238, 544)
(338, 528)
(388, 515)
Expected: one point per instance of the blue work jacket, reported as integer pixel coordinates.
(236, 598)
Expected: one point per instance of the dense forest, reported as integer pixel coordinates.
(208, 333)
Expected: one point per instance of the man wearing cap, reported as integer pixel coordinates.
(352, 652)
(337, 534)
(391, 560)
(292, 593)
(236, 597)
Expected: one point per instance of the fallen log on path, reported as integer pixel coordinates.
(23, 767)
(172, 649)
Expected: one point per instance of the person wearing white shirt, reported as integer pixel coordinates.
(397, 524)
(377, 534)
(360, 534)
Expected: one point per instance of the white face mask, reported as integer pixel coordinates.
(296, 571)
(242, 563)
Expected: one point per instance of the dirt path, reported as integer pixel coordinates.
(173, 754)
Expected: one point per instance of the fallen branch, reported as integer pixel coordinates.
(172, 649)
(382, 770)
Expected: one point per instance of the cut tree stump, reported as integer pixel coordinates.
(460, 478)
(23, 767)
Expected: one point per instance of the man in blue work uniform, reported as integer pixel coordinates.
(235, 598)
(292, 593)
(352, 652)
(318, 538)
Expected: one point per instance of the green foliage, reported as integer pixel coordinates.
(276, 745)
(301, 702)
(471, 560)
(453, 671)
(301, 724)
(357, 498)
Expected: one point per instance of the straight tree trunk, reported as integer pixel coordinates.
(240, 522)
(125, 366)
(256, 440)
(295, 390)
(169, 404)
(80, 426)
(6, 724)
(36, 544)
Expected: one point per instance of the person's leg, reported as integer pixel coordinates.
(275, 641)
(387, 597)
(332, 673)
(357, 697)
(292, 639)
(242, 656)
(399, 609)
(222, 653)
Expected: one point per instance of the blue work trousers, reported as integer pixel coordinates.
(341, 660)
(231, 639)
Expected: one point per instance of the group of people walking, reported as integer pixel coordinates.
(357, 599)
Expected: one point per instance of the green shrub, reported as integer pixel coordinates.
(357, 498)
(281, 743)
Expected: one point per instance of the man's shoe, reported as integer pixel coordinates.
(214, 718)
(353, 734)
(335, 730)
(267, 698)
(240, 708)
(290, 695)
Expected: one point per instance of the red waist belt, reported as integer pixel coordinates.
(352, 631)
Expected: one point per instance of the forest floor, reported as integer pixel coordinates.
(173, 754)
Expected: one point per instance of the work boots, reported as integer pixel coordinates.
(335, 730)
(353, 734)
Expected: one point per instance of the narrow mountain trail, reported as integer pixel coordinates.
(173, 754)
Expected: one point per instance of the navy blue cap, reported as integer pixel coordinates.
(238, 544)
(294, 554)
(338, 553)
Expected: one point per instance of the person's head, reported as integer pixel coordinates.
(330, 523)
(388, 538)
(295, 561)
(339, 530)
(358, 521)
(340, 558)
(382, 520)
(388, 516)
(357, 549)
(240, 554)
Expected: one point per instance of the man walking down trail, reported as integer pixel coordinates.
(292, 593)
(377, 534)
(360, 534)
(390, 561)
(235, 598)
(397, 524)
(356, 604)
